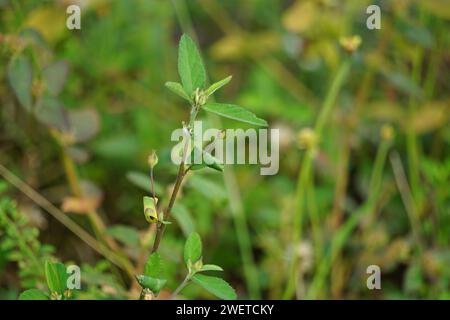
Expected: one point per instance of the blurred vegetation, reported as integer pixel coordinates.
(81, 110)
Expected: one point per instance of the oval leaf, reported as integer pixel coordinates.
(153, 266)
(216, 286)
(55, 273)
(190, 66)
(55, 76)
(84, 124)
(216, 86)
(177, 88)
(184, 218)
(210, 267)
(207, 187)
(50, 112)
(33, 294)
(207, 160)
(142, 180)
(124, 234)
(234, 112)
(20, 77)
(193, 248)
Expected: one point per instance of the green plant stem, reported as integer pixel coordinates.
(331, 96)
(180, 287)
(341, 236)
(306, 173)
(298, 222)
(178, 181)
(376, 178)
(412, 143)
(412, 147)
(408, 201)
(315, 220)
(161, 227)
(19, 13)
(236, 207)
(152, 191)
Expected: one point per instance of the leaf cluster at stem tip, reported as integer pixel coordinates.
(193, 89)
(193, 86)
(56, 276)
(194, 262)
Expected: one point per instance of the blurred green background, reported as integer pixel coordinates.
(81, 110)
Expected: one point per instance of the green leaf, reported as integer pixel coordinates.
(33, 294)
(234, 112)
(177, 88)
(153, 266)
(216, 286)
(50, 111)
(208, 160)
(55, 76)
(404, 83)
(84, 124)
(190, 66)
(413, 279)
(210, 267)
(124, 234)
(216, 86)
(55, 273)
(212, 162)
(142, 181)
(193, 248)
(207, 187)
(184, 218)
(20, 77)
(154, 284)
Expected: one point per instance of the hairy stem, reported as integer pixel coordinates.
(236, 207)
(179, 179)
(161, 227)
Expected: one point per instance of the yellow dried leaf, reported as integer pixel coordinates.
(385, 111)
(440, 8)
(229, 48)
(270, 41)
(50, 22)
(300, 16)
(431, 116)
(80, 205)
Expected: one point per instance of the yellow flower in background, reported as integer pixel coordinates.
(351, 43)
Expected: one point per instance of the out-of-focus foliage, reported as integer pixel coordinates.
(81, 110)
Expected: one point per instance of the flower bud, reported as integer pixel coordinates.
(306, 138)
(387, 132)
(199, 97)
(152, 159)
